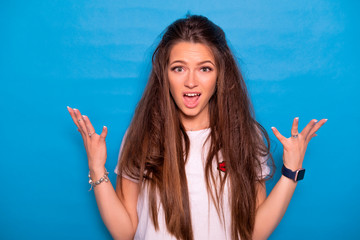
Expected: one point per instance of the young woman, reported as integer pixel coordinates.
(194, 161)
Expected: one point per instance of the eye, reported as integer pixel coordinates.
(177, 69)
(206, 69)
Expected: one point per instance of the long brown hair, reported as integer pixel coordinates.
(156, 146)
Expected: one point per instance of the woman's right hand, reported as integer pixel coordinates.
(94, 143)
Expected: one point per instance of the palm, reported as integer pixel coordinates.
(295, 146)
(95, 144)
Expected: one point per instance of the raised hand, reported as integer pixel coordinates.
(94, 143)
(295, 146)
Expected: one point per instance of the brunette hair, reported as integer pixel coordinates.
(156, 144)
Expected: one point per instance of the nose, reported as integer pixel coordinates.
(191, 80)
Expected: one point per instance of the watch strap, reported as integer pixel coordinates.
(294, 175)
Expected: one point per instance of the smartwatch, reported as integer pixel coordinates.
(294, 175)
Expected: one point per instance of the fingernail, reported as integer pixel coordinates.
(315, 121)
(67, 107)
(83, 116)
(74, 109)
(326, 120)
(297, 118)
(272, 127)
(105, 127)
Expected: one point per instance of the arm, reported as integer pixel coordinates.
(118, 214)
(270, 210)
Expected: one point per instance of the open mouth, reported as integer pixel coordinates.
(191, 100)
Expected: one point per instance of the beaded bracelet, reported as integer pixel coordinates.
(102, 179)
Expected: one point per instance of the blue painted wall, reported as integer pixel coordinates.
(300, 58)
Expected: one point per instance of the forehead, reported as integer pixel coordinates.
(188, 52)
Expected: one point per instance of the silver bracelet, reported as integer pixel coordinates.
(102, 179)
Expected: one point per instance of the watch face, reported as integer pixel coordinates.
(300, 174)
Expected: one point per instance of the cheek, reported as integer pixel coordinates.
(174, 89)
(175, 84)
(171, 83)
(212, 85)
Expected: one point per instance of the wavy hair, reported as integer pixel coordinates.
(156, 145)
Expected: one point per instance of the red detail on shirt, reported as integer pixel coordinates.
(222, 166)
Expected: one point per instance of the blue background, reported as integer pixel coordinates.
(299, 58)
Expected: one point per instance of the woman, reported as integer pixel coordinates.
(193, 161)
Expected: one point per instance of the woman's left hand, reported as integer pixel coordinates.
(295, 146)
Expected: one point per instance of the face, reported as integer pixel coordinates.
(192, 77)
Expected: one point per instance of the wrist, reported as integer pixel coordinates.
(288, 181)
(295, 175)
(94, 180)
(292, 166)
(97, 172)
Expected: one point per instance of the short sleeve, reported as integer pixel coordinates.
(116, 170)
(120, 151)
(265, 170)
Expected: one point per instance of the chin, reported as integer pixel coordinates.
(190, 113)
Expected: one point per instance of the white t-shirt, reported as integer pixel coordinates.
(205, 219)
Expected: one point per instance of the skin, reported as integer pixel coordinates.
(189, 71)
(271, 209)
(118, 213)
(192, 70)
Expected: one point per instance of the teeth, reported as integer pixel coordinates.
(192, 94)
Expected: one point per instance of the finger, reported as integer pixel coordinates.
(72, 114)
(81, 123)
(316, 128)
(74, 118)
(294, 128)
(103, 133)
(88, 125)
(278, 135)
(305, 132)
(309, 138)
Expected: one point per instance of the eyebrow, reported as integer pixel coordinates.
(200, 63)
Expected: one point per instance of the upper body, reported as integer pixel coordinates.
(195, 84)
(207, 223)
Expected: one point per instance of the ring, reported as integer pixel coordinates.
(295, 136)
(91, 134)
(79, 120)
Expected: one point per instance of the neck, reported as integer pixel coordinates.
(191, 125)
(199, 121)
(196, 128)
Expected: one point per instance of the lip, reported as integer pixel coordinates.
(191, 102)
